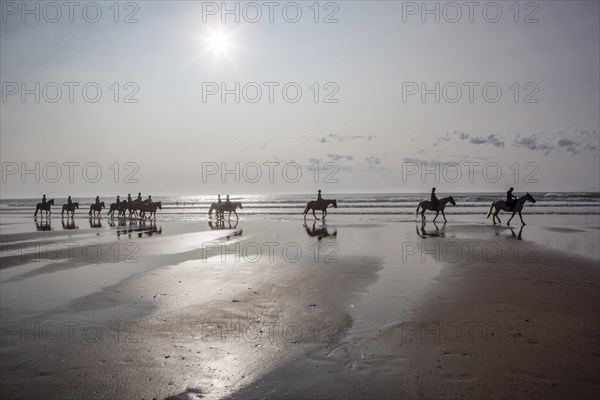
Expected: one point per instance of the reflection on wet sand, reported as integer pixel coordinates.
(431, 233)
(70, 223)
(319, 232)
(43, 224)
(141, 227)
(221, 224)
(519, 235)
(95, 222)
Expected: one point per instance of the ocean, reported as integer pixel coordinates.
(183, 208)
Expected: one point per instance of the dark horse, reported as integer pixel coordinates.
(500, 205)
(213, 206)
(320, 205)
(426, 205)
(44, 207)
(96, 208)
(228, 206)
(150, 208)
(69, 209)
(121, 207)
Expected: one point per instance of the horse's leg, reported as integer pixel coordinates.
(436, 215)
(496, 217)
(314, 215)
(236, 216)
(520, 216)
(510, 219)
(444, 215)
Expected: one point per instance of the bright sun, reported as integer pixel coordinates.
(219, 43)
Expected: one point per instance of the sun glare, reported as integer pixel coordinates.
(219, 43)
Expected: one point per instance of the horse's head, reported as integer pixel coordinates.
(76, 205)
(530, 198)
(51, 202)
(452, 201)
(159, 205)
(102, 205)
(334, 203)
(240, 204)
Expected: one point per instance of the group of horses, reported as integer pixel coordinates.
(137, 208)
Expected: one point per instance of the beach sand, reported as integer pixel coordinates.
(356, 308)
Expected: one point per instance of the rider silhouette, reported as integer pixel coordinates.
(219, 199)
(69, 203)
(118, 199)
(44, 200)
(227, 200)
(97, 200)
(129, 197)
(319, 198)
(510, 199)
(149, 199)
(434, 199)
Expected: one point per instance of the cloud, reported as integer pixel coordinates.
(373, 162)
(492, 139)
(337, 157)
(344, 138)
(531, 142)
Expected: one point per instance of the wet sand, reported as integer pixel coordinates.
(358, 308)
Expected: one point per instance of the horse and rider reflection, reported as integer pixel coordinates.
(141, 227)
(43, 224)
(221, 224)
(423, 233)
(319, 232)
(69, 224)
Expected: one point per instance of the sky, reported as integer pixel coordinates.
(347, 96)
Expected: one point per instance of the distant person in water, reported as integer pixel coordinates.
(44, 200)
(319, 198)
(219, 199)
(129, 197)
(510, 199)
(434, 199)
(97, 200)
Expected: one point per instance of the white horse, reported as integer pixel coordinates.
(426, 205)
(228, 206)
(500, 205)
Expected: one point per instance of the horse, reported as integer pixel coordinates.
(68, 209)
(44, 207)
(120, 207)
(150, 208)
(96, 208)
(133, 207)
(500, 205)
(213, 206)
(228, 206)
(320, 205)
(426, 205)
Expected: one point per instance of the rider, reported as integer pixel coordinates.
(97, 200)
(434, 199)
(319, 198)
(44, 200)
(129, 197)
(118, 199)
(227, 200)
(69, 203)
(139, 198)
(219, 199)
(149, 200)
(510, 197)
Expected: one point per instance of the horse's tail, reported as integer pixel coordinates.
(417, 209)
(36, 210)
(91, 208)
(490, 212)
(306, 209)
